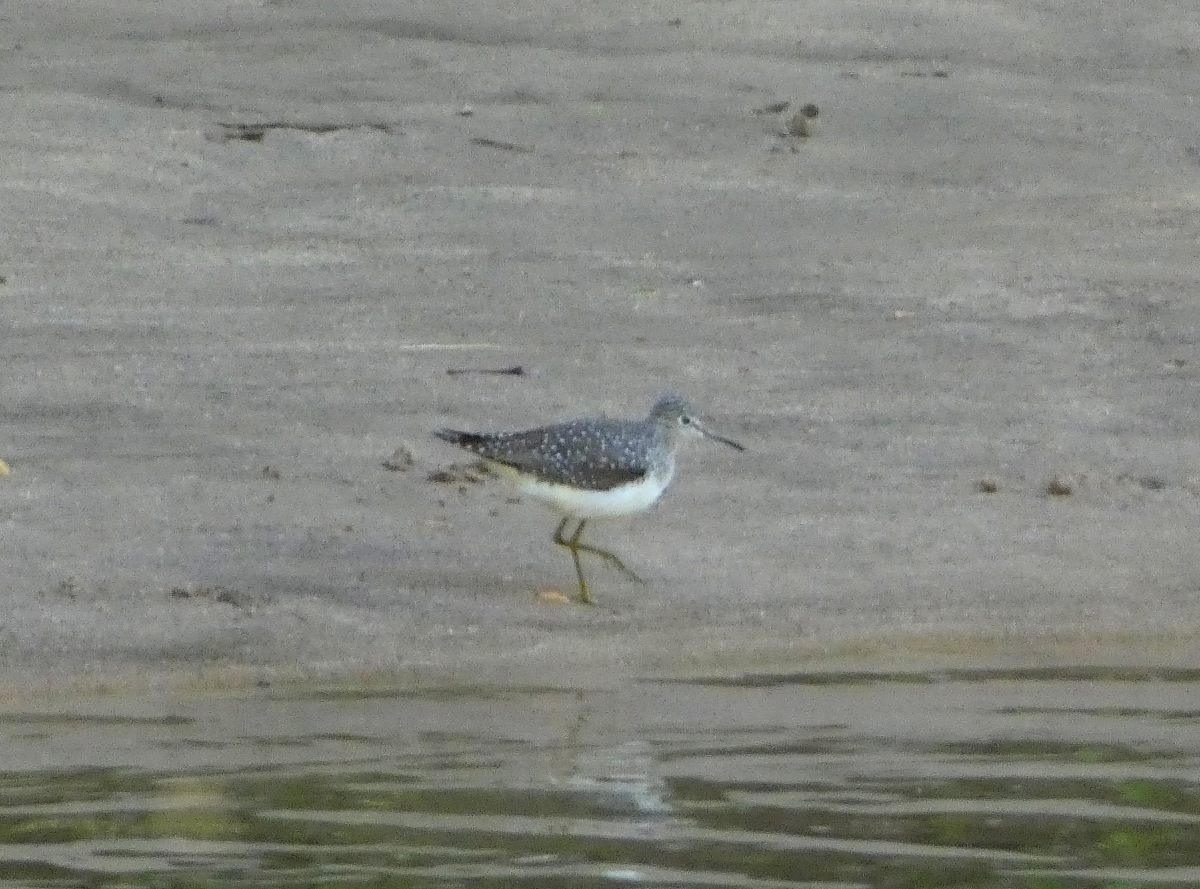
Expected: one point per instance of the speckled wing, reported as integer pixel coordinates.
(590, 454)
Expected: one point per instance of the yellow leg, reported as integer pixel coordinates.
(574, 544)
(611, 558)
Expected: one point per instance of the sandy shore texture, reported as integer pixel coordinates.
(956, 325)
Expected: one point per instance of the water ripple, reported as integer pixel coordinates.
(1088, 779)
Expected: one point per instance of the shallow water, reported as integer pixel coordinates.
(1037, 779)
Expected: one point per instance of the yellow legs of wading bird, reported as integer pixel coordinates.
(572, 543)
(591, 468)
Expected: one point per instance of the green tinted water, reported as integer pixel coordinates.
(1037, 780)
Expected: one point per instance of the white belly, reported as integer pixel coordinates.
(623, 500)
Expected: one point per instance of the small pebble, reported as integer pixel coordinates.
(797, 126)
(552, 597)
(401, 460)
(800, 123)
(1056, 487)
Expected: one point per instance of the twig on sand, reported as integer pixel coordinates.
(515, 371)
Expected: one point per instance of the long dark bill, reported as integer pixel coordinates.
(722, 439)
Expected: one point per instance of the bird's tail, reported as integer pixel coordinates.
(468, 440)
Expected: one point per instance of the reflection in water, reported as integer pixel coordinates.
(1035, 780)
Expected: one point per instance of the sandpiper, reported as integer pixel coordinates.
(593, 467)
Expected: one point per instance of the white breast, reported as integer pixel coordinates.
(622, 500)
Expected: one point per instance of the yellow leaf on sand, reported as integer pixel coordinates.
(552, 597)
(4, 470)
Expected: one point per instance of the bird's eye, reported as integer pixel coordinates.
(685, 420)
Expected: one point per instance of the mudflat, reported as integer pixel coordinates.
(251, 249)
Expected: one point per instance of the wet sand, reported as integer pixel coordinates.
(245, 242)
